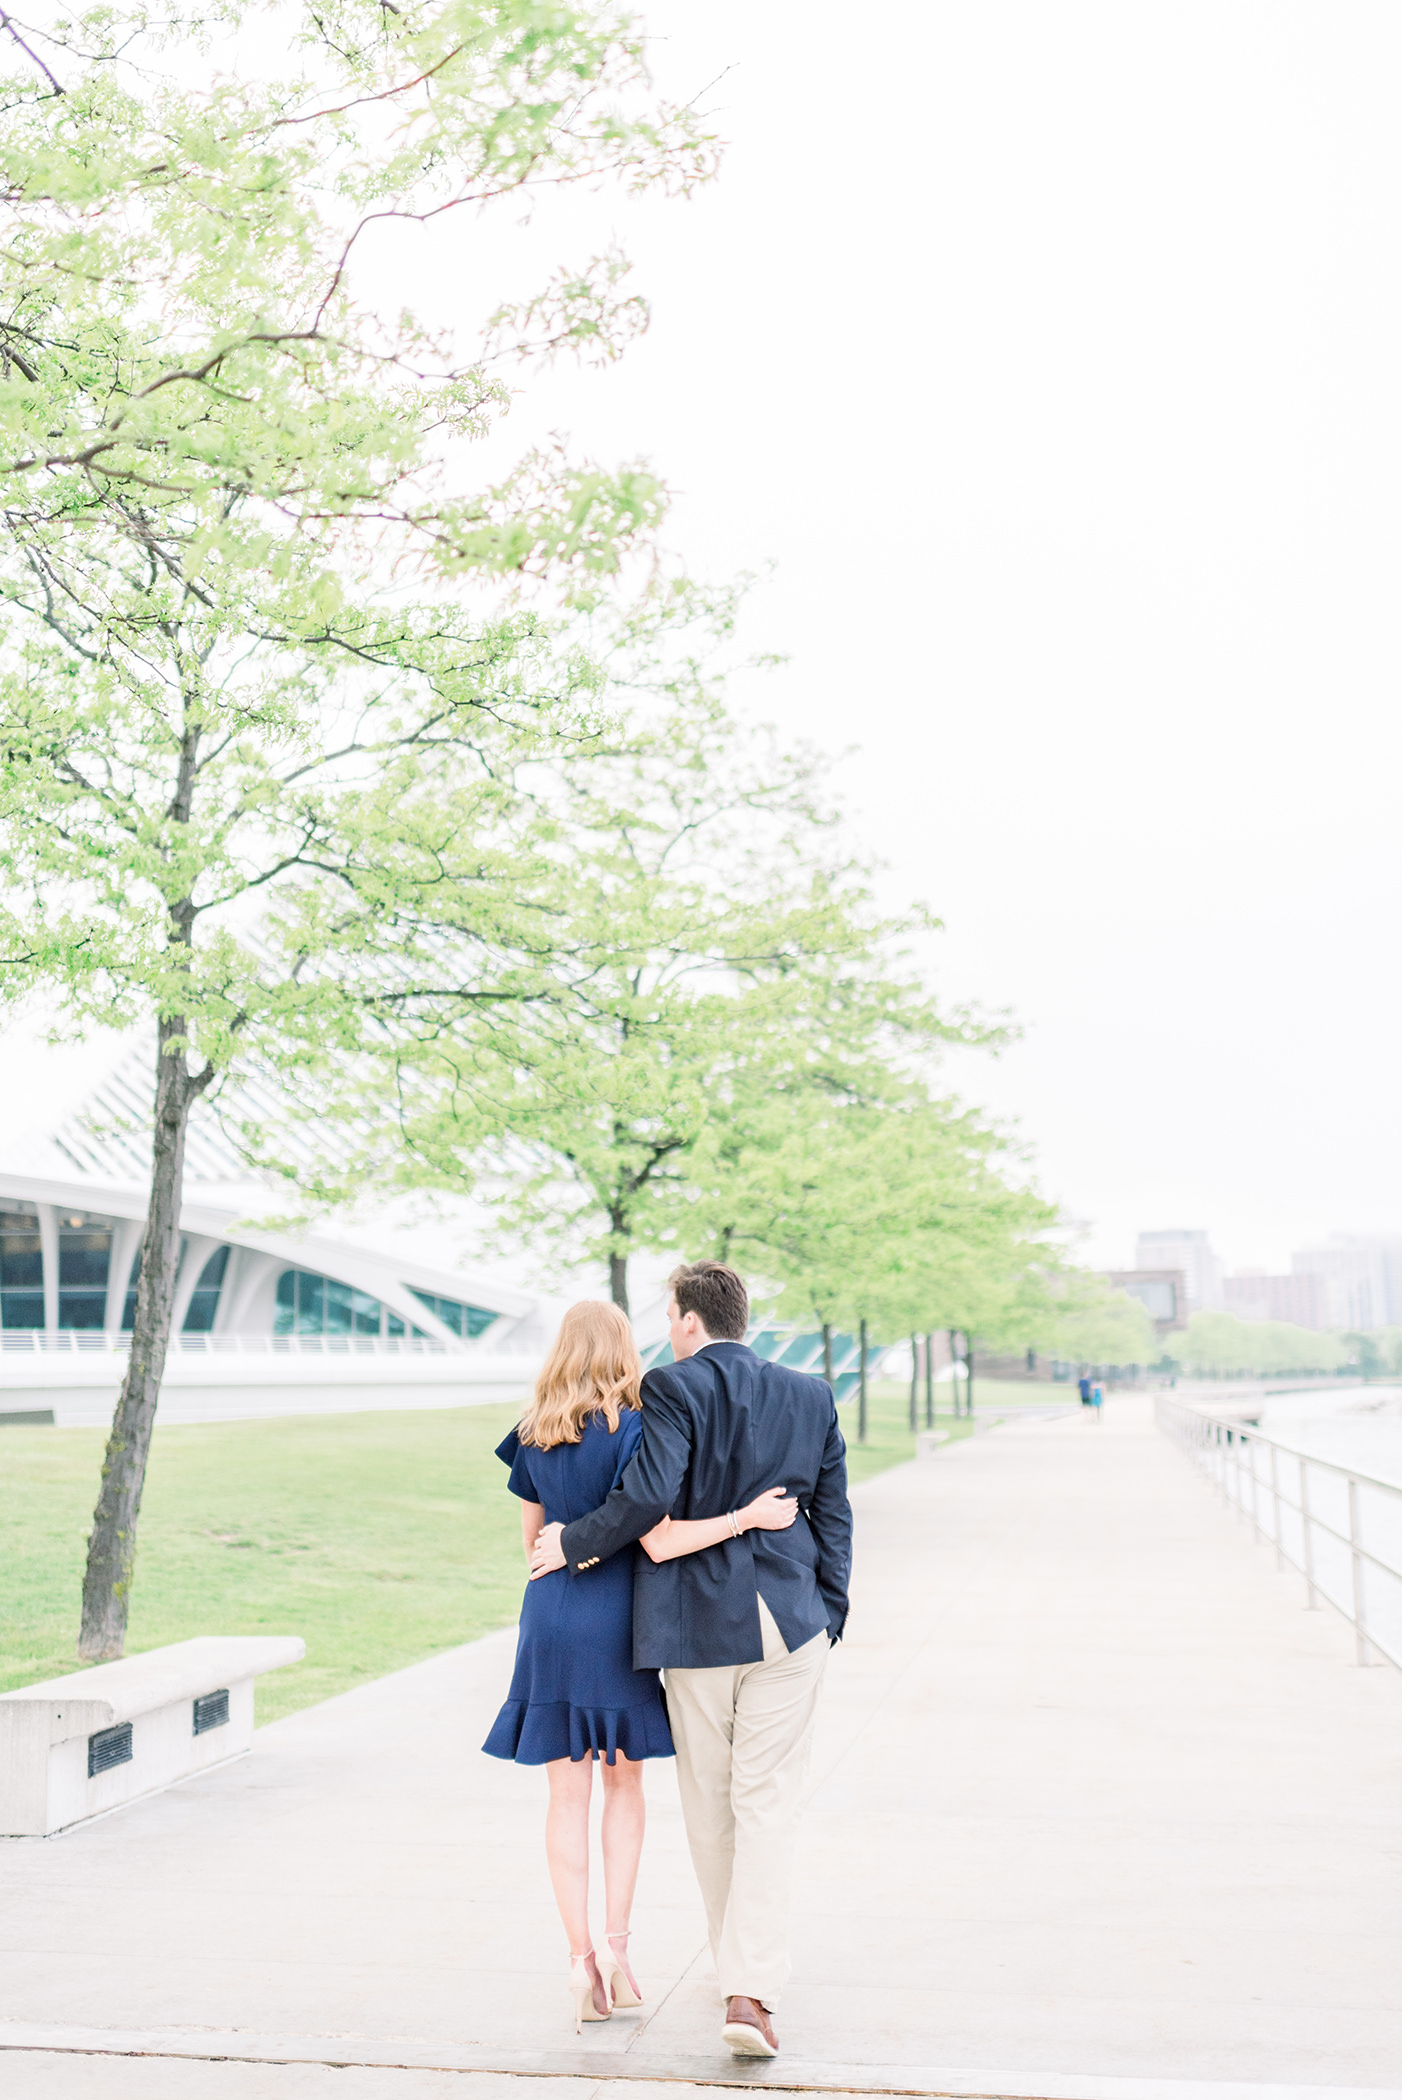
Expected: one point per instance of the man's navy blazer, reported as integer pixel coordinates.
(719, 1429)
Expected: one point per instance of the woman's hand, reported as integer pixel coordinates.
(547, 1554)
(770, 1511)
(532, 1517)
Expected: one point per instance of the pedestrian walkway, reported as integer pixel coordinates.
(1098, 1812)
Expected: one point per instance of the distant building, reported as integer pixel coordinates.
(1359, 1280)
(1299, 1299)
(1163, 1293)
(1186, 1250)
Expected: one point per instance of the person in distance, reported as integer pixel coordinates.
(742, 1627)
(576, 1698)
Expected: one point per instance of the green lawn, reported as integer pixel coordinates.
(889, 1440)
(379, 1538)
(1009, 1392)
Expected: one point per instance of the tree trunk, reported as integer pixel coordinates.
(953, 1339)
(914, 1383)
(112, 1544)
(929, 1381)
(618, 1259)
(969, 1373)
(862, 1384)
(827, 1352)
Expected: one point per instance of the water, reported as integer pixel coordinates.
(1362, 1428)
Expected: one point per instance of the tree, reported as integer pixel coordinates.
(1222, 1346)
(1096, 1324)
(218, 459)
(979, 1256)
(725, 960)
(894, 1209)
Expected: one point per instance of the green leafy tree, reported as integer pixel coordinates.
(724, 958)
(876, 1203)
(1096, 1324)
(981, 1257)
(1222, 1346)
(250, 791)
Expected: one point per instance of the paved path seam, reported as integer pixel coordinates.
(921, 2082)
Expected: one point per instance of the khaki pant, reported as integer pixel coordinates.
(743, 1735)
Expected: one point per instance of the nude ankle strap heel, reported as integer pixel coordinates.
(582, 1992)
(616, 1980)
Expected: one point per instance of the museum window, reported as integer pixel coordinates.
(205, 1303)
(84, 1250)
(21, 1270)
(467, 1320)
(129, 1302)
(308, 1304)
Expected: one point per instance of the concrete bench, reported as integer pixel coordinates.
(78, 1745)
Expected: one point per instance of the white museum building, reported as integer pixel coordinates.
(267, 1320)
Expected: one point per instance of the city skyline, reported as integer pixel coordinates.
(1349, 1280)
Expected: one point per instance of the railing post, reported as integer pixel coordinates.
(1360, 1635)
(1275, 1511)
(1255, 1500)
(1311, 1593)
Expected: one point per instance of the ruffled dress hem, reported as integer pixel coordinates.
(533, 1734)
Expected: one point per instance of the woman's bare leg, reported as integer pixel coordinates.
(567, 1852)
(625, 1817)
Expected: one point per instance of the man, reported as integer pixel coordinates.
(742, 1629)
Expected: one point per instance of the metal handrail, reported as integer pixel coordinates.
(94, 1341)
(1221, 1443)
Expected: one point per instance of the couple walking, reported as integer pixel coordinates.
(729, 1474)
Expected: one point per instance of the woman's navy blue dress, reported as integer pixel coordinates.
(574, 1689)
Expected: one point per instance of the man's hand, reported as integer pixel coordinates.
(547, 1554)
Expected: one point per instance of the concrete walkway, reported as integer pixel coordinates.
(1098, 1810)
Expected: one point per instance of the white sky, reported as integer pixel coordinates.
(1053, 355)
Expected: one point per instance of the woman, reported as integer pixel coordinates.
(575, 1697)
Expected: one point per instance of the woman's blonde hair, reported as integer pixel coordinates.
(593, 1369)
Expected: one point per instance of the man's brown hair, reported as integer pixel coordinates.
(717, 1297)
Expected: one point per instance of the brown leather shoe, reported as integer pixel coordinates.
(748, 2029)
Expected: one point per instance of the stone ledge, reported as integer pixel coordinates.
(48, 1778)
(138, 1683)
